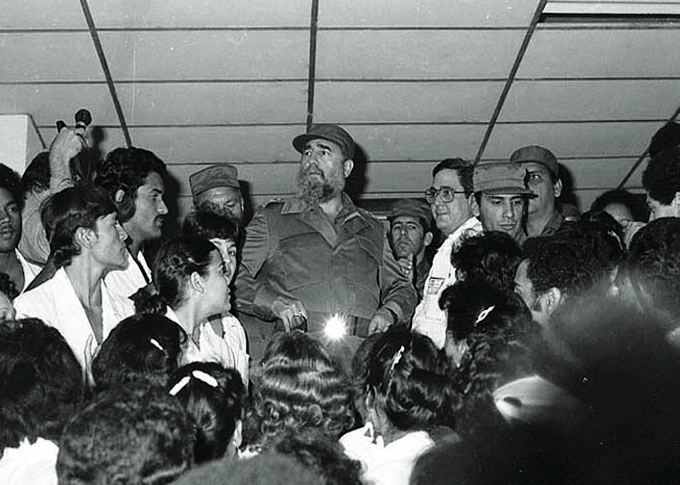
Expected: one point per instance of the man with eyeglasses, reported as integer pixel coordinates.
(448, 199)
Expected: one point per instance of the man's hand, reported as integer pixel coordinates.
(68, 143)
(381, 321)
(289, 312)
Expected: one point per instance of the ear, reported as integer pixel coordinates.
(196, 282)
(347, 167)
(557, 188)
(427, 240)
(84, 237)
(551, 299)
(474, 207)
(118, 196)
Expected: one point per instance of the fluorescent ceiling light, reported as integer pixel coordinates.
(612, 7)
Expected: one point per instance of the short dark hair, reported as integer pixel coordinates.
(668, 136)
(623, 197)
(130, 435)
(492, 256)
(142, 348)
(215, 410)
(41, 382)
(412, 379)
(125, 169)
(654, 259)
(7, 286)
(11, 182)
(463, 168)
(64, 212)
(36, 177)
(209, 224)
(568, 263)
(661, 178)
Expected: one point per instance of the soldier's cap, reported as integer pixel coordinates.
(537, 154)
(416, 208)
(220, 175)
(501, 179)
(328, 132)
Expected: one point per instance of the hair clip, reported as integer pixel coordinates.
(484, 313)
(204, 377)
(155, 343)
(196, 374)
(397, 358)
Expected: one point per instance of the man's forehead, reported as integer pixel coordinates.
(447, 178)
(153, 181)
(534, 167)
(406, 220)
(221, 193)
(511, 197)
(323, 143)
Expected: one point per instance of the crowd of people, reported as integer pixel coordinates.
(485, 333)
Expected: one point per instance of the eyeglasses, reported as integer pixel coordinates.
(445, 193)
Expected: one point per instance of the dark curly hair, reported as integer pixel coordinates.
(411, 380)
(215, 410)
(66, 211)
(127, 435)
(661, 178)
(209, 225)
(492, 256)
(40, 381)
(11, 182)
(463, 168)
(140, 349)
(623, 197)
(7, 286)
(292, 394)
(125, 169)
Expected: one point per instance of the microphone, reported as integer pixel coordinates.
(83, 119)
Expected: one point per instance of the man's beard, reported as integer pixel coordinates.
(313, 189)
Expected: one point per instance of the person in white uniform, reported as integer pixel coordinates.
(448, 198)
(86, 241)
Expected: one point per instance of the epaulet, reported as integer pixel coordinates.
(272, 202)
(366, 214)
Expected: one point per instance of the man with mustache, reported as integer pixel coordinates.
(317, 254)
(410, 235)
(134, 179)
(216, 188)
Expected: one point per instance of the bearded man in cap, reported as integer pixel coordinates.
(410, 235)
(543, 217)
(216, 188)
(316, 255)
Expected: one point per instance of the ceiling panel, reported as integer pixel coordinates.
(416, 142)
(602, 53)
(42, 14)
(252, 144)
(212, 103)
(416, 54)
(591, 100)
(598, 173)
(200, 13)
(54, 56)
(112, 138)
(39, 101)
(423, 101)
(573, 139)
(427, 13)
(203, 55)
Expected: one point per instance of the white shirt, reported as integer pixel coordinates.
(30, 464)
(30, 270)
(55, 302)
(123, 283)
(228, 349)
(386, 465)
(429, 319)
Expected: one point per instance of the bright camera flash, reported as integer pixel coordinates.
(335, 328)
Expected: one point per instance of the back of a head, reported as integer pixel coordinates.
(661, 177)
(654, 259)
(141, 349)
(36, 177)
(263, 469)
(412, 378)
(127, 435)
(125, 169)
(66, 211)
(214, 398)
(40, 381)
(296, 349)
(492, 257)
(622, 197)
(668, 136)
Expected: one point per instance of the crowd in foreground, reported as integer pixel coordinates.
(488, 334)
